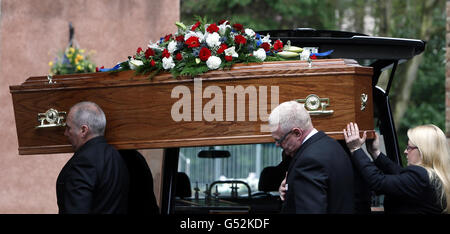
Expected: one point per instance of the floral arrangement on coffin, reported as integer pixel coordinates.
(202, 47)
(72, 60)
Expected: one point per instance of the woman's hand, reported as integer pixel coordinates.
(373, 147)
(352, 139)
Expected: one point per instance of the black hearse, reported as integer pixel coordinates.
(189, 191)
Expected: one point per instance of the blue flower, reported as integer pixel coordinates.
(258, 39)
(259, 42)
(196, 51)
(65, 60)
(117, 67)
(180, 45)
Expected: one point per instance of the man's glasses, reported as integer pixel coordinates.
(280, 141)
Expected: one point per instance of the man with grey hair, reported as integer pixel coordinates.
(95, 180)
(320, 175)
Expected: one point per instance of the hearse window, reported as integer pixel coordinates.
(226, 179)
(245, 163)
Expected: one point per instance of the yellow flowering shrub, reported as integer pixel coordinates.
(72, 60)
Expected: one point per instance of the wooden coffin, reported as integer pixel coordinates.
(217, 108)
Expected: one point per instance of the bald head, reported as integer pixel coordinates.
(85, 121)
(90, 114)
(290, 123)
(289, 115)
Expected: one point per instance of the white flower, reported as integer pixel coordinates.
(213, 40)
(231, 52)
(213, 62)
(260, 54)
(172, 46)
(168, 63)
(305, 55)
(249, 32)
(154, 46)
(134, 63)
(189, 34)
(200, 35)
(223, 28)
(266, 39)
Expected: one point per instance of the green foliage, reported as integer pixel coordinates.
(275, 58)
(427, 102)
(191, 69)
(264, 14)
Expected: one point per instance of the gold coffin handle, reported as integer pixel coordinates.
(316, 105)
(51, 118)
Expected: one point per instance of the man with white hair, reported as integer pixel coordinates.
(95, 180)
(320, 175)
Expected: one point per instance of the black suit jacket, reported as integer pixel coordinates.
(320, 178)
(407, 190)
(95, 180)
(141, 198)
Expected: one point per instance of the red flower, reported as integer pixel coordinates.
(222, 48)
(238, 27)
(278, 45)
(179, 57)
(165, 53)
(179, 38)
(239, 39)
(204, 54)
(152, 63)
(313, 56)
(138, 50)
(192, 42)
(97, 69)
(195, 26)
(167, 37)
(228, 58)
(212, 28)
(149, 52)
(265, 46)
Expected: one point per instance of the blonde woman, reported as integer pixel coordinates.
(421, 187)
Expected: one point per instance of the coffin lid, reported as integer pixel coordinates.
(238, 71)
